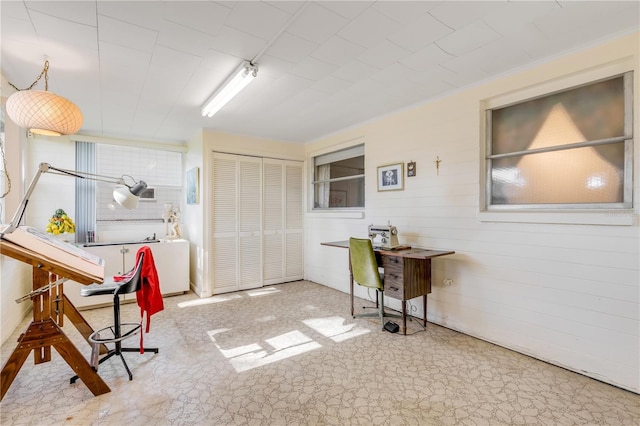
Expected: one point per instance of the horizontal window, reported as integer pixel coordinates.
(566, 150)
(338, 180)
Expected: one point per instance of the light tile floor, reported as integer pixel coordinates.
(290, 355)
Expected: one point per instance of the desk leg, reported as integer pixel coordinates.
(424, 310)
(351, 292)
(404, 317)
(351, 283)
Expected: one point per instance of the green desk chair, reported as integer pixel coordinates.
(364, 270)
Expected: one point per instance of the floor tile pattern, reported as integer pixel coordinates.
(290, 355)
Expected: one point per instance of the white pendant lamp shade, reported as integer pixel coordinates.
(128, 197)
(44, 112)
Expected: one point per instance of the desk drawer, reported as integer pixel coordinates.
(393, 277)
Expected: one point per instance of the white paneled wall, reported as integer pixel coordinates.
(565, 293)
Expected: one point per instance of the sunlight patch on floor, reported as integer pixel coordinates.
(208, 300)
(262, 291)
(335, 328)
(248, 357)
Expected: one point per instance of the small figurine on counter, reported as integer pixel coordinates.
(176, 232)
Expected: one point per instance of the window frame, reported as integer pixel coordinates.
(327, 155)
(488, 210)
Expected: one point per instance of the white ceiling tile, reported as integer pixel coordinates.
(211, 71)
(288, 6)
(317, 24)
(383, 55)
(23, 61)
(510, 17)
(206, 17)
(272, 67)
(348, 9)
(79, 12)
(289, 84)
(467, 39)
(331, 84)
(366, 86)
(466, 77)
(369, 28)
(391, 74)
(579, 16)
(173, 64)
(121, 67)
(291, 48)
(337, 51)
(457, 14)
(420, 33)
(124, 34)
(184, 39)
(313, 69)
(354, 71)
(147, 14)
(258, 19)
(60, 30)
(405, 11)
(14, 10)
(238, 43)
(426, 58)
(494, 58)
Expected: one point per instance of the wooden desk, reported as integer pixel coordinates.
(407, 274)
(49, 308)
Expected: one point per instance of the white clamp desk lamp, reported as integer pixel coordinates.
(125, 195)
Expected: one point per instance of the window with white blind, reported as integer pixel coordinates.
(571, 149)
(338, 179)
(161, 170)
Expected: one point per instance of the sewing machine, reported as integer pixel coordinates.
(384, 236)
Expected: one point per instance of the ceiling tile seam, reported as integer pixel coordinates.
(100, 90)
(130, 129)
(98, 14)
(29, 10)
(284, 28)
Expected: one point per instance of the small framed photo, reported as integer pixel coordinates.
(391, 177)
(193, 190)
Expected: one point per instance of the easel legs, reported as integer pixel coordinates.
(41, 336)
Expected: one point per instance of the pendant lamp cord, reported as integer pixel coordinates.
(46, 78)
(5, 171)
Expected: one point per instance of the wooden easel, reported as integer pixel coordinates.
(49, 308)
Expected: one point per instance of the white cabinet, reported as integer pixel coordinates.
(171, 260)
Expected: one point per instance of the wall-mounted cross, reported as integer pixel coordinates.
(438, 160)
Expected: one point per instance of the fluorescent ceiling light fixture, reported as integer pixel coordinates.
(240, 78)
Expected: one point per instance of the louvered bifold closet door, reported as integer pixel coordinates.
(293, 222)
(250, 235)
(223, 257)
(283, 243)
(273, 233)
(236, 257)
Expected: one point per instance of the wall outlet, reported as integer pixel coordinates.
(447, 281)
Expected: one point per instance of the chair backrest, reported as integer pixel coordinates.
(363, 263)
(135, 282)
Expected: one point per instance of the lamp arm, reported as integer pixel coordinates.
(17, 217)
(47, 168)
(87, 175)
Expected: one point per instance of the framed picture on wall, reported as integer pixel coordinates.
(391, 177)
(193, 191)
(337, 198)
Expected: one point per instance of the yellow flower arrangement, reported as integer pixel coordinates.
(60, 223)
